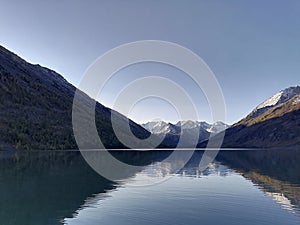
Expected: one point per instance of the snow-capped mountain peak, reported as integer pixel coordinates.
(280, 97)
(154, 126)
(217, 127)
(161, 127)
(188, 124)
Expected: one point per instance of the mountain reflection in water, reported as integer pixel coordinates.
(50, 187)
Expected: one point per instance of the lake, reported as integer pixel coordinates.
(238, 187)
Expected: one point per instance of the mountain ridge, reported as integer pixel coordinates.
(157, 127)
(273, 102)
(278, 125)
(36, 113)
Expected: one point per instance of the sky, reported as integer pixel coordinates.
(252, 47)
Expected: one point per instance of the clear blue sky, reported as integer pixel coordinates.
(253, 47)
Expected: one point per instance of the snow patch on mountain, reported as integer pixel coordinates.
(271, 101)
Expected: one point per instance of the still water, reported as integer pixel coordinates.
(239, 187)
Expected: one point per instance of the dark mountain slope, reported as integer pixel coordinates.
(36, 108)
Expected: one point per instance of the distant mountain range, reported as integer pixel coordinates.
(189, 128)
(161, 127)
(273, 123)
(36, 113)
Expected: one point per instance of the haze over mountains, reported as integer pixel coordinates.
(36, 113)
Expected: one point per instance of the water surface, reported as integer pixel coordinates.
(239, 187)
